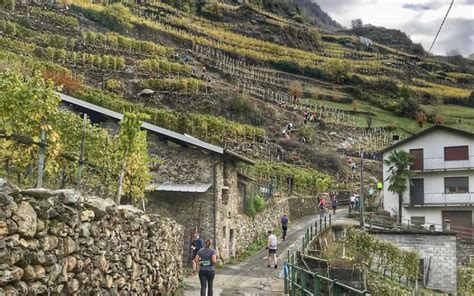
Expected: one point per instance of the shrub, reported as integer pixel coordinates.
(259, 203)
(250, 208)
(295, 89)
(315, 36)
(56, 18)
(116, 17)
(113, 85)
(69, 83)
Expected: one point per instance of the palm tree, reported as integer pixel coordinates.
(399, 162)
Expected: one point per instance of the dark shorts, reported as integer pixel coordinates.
(272, 251)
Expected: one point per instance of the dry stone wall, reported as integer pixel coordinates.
(62, 243)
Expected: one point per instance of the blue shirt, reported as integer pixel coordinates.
(284, 221)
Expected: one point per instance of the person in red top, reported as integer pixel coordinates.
(322, 208)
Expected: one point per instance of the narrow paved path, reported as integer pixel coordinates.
(252, 276)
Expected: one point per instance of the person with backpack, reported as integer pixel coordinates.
(284, 226)
(272, 248)
(206, 260)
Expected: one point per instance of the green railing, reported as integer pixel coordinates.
(300, 281)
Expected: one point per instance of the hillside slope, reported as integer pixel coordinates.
(236, 83)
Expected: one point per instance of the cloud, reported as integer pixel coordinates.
(416, 7)
(420, 19)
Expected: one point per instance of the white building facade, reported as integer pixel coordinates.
(442, 187)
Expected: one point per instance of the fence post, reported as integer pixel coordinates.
(311, 232)
(316, 286)
(293, 286)
(302, 245)
(329, 219)
(325, 222)
(42, 156)
(285, 273)
(303, 281)
(335, 288)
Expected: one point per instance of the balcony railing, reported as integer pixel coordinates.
(438, 163)
(443, 199)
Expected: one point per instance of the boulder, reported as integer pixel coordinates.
(50, 242)
(3, 229)
(29, 274)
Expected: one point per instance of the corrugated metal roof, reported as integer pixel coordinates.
(150, 127)
(170, 187)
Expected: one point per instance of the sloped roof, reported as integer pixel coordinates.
(180, 138)
(427, 131)
(171, 187)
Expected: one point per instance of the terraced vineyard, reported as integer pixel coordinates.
(199, 74)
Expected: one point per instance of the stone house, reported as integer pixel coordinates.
(197, 184)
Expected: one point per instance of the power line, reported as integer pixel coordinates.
(440, 27)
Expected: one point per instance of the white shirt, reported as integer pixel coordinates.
(353, 198)
(272, 242)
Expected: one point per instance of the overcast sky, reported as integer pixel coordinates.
(420, 19)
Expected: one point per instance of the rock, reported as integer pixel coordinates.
(10, 291)
(40, 226)
(87, 216)
(69, 246)
(22, 288)
(40, 193)
(72, 286)
(70, 262)
(39, 271)
(37, 288)
(3, 229)
(68, 196)
(146, 92)
(99, 206)
(50, 259)
(50, 242)
(26, 219)
(28, 274)
(12, 274)
(84, 230)
(12, 227)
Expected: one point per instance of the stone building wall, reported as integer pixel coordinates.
(62, 243)
(441, 248)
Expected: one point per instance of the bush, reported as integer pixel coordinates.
(116, 17)
(287, 66)
(254, 206)
(113, 85)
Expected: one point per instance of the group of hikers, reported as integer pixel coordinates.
(205, 257)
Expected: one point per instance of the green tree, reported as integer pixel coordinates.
(134, 174)
(399, 169)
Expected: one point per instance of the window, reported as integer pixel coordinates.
(456, 153)
(418, 220)
(224, 232)
(418, 159)
(456, 185)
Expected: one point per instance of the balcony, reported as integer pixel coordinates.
(442, 199)
(439, 164)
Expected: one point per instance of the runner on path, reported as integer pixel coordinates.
(206, 259)
(272, 248)
(284, 226)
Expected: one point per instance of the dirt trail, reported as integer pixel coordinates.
(252, 276)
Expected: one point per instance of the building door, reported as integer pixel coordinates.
(231, 244)
(417, 192)
(461, 222)
(418, 162)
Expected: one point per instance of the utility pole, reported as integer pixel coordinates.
(42, 156)
(81, 157)
(361, 201)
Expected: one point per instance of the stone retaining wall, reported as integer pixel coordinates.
(61, 243)
(439, 248)
(300, 206)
